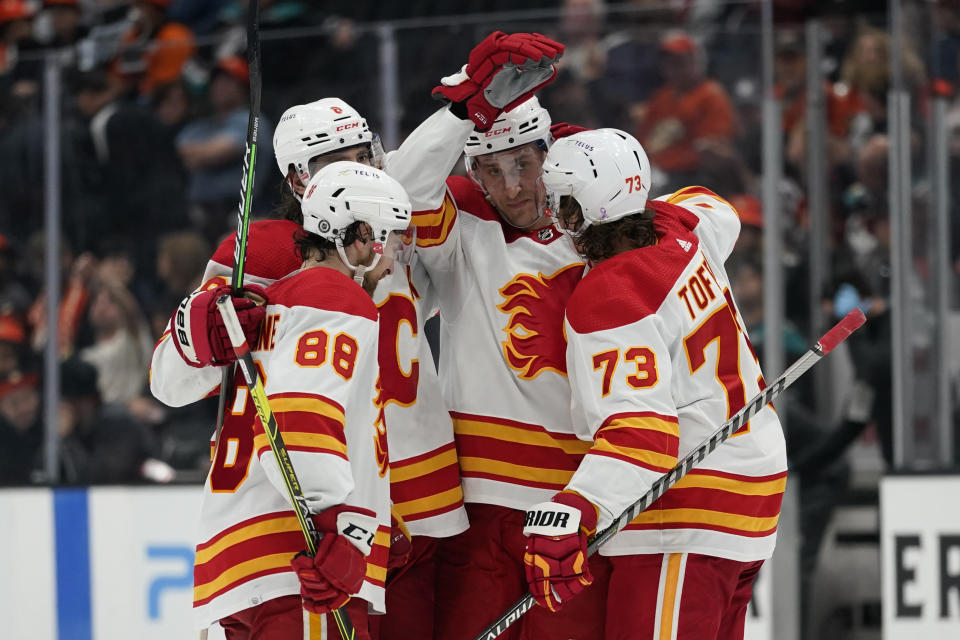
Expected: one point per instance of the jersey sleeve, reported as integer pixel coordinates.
(422, 164)
(427, 156)
(718, 223)
(622, 401)
(172, 381)
(320, 382)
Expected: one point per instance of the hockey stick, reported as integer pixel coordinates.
(246, 185)
(850, 323)
(255, 384)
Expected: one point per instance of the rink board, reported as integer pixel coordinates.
(95, 564)
(920, 543)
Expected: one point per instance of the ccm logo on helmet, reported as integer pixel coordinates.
(312, 189)
(497, 132)
(352, 125)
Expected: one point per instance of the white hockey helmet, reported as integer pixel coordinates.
(605, 170)
(342, 193)
(309, 130)
(528, 122)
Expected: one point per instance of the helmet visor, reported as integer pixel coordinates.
(563, 210)
(362, 153)
(506, 171)
(404, 253)
(391, 247)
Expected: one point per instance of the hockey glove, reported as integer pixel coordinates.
(501, 72)
(563, 129)
(400, 541)
(555, 561)
(197, 328)
(336, 572)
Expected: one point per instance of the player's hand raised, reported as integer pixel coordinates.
(502, 72)
(198, 331)
(555, 561)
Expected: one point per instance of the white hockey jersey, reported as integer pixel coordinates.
(659, 358)
(425, 478)
(318, 355)
(501, 295)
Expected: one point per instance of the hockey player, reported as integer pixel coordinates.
(658, 359)
(503, 274)
(427, 487)
(318, 354)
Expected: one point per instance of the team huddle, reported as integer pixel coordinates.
(588, 341)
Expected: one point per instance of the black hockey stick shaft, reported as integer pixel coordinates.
(850, 323)
(246, 185)
(290, 481)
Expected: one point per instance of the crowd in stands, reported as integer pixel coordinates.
(154, 118)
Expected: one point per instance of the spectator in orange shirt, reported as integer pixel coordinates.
(154, 51)
(686, 115)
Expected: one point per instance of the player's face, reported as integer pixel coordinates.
(510, 179)
(358, 153)
(385, 265)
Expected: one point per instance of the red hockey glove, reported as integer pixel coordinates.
(328, 579)
(501, 72)
(198, 331)
(563, 129)
(556, 557)
(400, 541)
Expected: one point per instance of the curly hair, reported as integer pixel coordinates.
(600, 242)
(289, 207)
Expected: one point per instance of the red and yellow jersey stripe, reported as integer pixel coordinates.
(692, 192)
(718, 501)
(250, 549)
(308, 422)
(646, 439)
(516, 452)
(379, 554)
(434, 226)
(426, 485)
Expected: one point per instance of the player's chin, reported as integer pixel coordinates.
(521, 216)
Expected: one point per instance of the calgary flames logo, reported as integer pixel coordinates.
(535, 303)
(399, 375)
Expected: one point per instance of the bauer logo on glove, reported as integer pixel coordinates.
(197, 328)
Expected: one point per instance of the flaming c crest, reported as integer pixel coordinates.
(535, 303)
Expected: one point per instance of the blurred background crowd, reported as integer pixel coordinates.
(153, 122)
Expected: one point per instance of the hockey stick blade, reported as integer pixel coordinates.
(850, 323)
